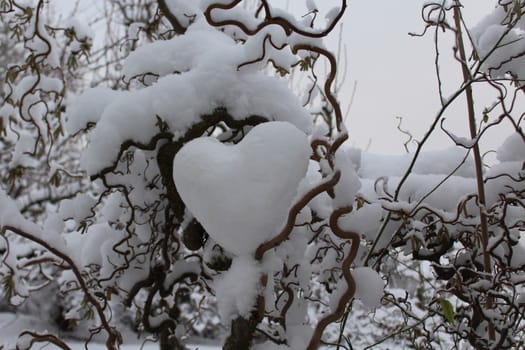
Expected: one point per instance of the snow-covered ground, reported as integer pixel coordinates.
(12, 324)
(147, 346)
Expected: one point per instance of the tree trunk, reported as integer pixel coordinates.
(242, 333)
(168, 341)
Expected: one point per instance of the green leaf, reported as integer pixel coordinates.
(485, 118)
(448, 310)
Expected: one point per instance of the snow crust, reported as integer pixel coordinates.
(369, 286)
(499, 44)
(349, 184)
(237, 289)
(197, 73)
(438, 162)
(11, 216)
(241, 193)
(96, 247)
(512, 149)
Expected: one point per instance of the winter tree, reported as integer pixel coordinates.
(190, 188)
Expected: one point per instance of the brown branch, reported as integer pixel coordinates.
(177, 27)
(477, 155)
(289, 28)
(347, 274)
(286, 25)
(329, 81)
(114, 337)
(268, 38)
(41, 338)
(292, 215)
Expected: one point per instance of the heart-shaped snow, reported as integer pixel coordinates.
(241, 194)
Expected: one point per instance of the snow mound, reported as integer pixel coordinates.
(241, 194)
(237, 289)
(194, 74)
(369, 286)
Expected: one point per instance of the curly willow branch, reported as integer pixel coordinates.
(289, 29)
(114, 337)
(347, 263)
(287, 26)
(177, 27)
(42, 338)
(329, 81)
(288, 227)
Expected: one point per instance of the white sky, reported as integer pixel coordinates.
(395, 73)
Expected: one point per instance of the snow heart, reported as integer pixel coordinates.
(241, 194)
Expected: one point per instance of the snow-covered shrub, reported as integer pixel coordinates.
(172, 212)
(39, 163)
(198, 189)
(463, 216)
